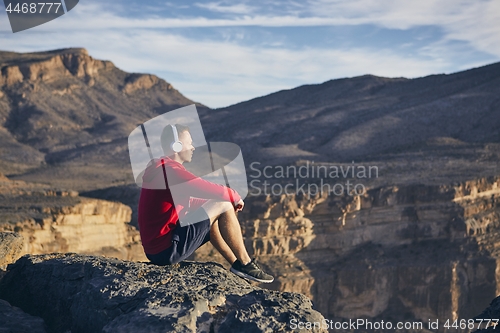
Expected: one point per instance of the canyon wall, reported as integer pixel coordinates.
(414, 252)
(61, 221)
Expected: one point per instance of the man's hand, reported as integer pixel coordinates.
(238, 207)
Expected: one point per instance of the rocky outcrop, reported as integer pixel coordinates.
(10, 76)
(52, 220)
(13, 319)
(49, 66)
(92, 294)
(489, 319)
(11, 246)
(136, 82)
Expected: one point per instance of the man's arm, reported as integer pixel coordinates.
(193, 186)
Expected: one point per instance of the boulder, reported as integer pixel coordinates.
(95, 294)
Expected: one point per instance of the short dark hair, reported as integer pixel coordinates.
(167, 136)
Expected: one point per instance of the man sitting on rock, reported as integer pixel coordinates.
(211, 207)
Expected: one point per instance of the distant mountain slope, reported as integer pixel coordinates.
(64, 105)
(366, 117)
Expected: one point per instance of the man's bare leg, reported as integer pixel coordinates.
(227, 234)
(230, 230)
(219, 243)
(228, 239)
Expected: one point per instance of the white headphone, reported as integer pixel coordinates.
(176, 145)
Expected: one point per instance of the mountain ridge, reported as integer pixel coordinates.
(338, 120)
(64, 113)
(64, 100)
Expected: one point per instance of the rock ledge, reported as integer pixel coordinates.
(95, 294)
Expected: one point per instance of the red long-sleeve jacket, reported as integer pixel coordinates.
(157, 214)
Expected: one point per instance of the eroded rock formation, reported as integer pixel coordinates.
(11, 247)
(52, 220)
(403, 252)
(95, 294)
(50, 66)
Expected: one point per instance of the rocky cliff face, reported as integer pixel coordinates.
(401, 252)
(66, 110)
(11, 247)
(50, 66)
(37, 68)
(91, 294)
(52, 220)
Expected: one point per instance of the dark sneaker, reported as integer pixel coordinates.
(251, 271)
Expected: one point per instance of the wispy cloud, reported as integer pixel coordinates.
(219, 73)
(476, 22)
(175, 5)
(220, 7)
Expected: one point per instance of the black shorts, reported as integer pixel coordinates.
(185, 240)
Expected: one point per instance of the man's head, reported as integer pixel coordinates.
(167, 138)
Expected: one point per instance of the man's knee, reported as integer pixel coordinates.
(218, 208)
(226, 206)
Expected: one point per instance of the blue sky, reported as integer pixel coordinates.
(223, 52)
